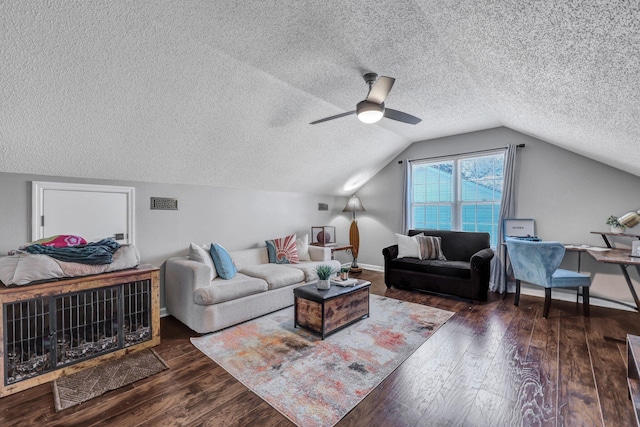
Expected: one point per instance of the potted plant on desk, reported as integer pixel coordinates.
(616, 227)
(324, 273)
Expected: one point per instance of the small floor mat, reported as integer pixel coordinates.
(92, 382)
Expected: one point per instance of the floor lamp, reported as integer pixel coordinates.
(354, 205)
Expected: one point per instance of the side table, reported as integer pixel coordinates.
(336, 247)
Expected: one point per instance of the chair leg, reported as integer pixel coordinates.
(547, 302)
(585, 301)
(516, 301)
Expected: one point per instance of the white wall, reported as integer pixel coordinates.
(568, 195)
(235, 218)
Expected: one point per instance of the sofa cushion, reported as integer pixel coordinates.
(227, 290)
(302, 243)
(199, 254)
(276, 276)
(408, 246)
(283, 250)
(430, 247)
(243, 257)
(223, 262)
(460, 269)
(309, 268)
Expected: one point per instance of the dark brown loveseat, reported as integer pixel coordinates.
(464, 274)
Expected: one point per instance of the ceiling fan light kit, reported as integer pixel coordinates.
(368, 112)
(372, 109)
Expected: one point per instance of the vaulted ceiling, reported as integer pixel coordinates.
(222, 92)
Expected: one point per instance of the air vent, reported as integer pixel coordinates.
(323, 207)
(163, 203)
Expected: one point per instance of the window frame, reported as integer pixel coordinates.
(456, 204)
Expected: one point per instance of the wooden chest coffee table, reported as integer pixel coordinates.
(326, 312)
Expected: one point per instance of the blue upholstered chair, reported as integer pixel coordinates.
(537, 263)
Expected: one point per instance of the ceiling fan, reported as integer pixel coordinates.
(372, 108)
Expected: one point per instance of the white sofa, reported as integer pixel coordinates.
(206, 303)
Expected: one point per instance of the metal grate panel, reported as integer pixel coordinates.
(137, 312)
(27, 339)
(87, 324)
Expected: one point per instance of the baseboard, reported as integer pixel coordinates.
(372, 267)
(366, 266)
(164, 312)
(569, 296)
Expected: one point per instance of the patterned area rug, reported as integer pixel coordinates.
(314, 382)
(93, 382)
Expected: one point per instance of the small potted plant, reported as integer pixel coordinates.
(324, 273)
(616, 227)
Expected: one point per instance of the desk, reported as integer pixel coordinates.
(622, 258)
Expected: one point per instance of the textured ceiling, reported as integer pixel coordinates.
(221, 92)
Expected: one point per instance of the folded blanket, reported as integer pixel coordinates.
(94, 253)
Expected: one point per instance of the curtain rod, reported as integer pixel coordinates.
(461, 154)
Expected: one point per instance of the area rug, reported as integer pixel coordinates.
(314, 382)
(92, 382)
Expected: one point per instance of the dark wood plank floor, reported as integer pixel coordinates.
(492, 364)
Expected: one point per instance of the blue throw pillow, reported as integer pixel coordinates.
(223, 262)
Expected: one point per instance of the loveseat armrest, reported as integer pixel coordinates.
(391, 252)
(319, 253)
(481, 259)
(182, 277)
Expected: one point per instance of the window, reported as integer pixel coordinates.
(461, 193)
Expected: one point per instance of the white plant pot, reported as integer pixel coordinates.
(617, 230)
(324, 284)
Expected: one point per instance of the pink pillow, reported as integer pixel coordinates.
(60, 241)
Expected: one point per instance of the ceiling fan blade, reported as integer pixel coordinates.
(380, 89)
(337, 116)
(401, 117)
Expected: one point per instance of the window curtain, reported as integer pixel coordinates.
(406, 196)
(498, 282)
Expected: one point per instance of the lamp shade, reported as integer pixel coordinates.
(354, 205)
(630, 219)
(369, 112)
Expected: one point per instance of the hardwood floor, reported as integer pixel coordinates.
(492, 364)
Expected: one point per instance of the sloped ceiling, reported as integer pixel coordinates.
(221, 92)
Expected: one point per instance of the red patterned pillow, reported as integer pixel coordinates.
(283, 250)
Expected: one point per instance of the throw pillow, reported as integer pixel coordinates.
(60, 241)
(283, 250)
(408, 246)
(223, 262)
(431, 248)
(199, 254)
(302, 244)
